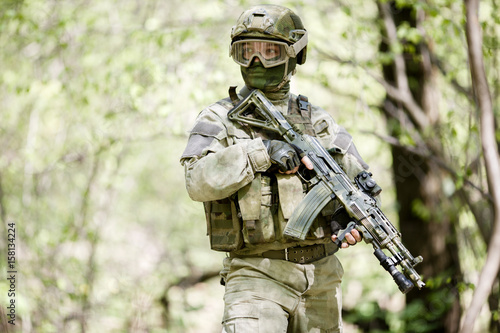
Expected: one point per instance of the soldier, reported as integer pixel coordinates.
(247, 179)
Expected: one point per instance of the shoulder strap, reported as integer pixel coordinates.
(299, 114)
(233, 95)
(304, 105)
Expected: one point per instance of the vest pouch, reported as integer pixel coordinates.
(291, 194)
(255, 201)
(301, 123)
(223, 225)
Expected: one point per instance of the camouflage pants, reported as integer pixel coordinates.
(271, 295)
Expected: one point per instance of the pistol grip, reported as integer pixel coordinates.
(341, 234)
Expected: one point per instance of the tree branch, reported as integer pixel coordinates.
(402, 92)
(427, 154)
(186, 282)
(397, 94)
(458, 87)
(393, 111)
(492, 160)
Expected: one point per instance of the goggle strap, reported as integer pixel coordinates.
(299, 45)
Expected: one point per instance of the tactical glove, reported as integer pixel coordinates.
(282, 154)
(340, 220)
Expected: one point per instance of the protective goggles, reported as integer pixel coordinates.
(270, 53)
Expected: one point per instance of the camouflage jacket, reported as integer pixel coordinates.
(224, 159)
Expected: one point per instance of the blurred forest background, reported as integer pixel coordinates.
(97, 98)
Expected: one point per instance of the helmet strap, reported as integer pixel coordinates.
(286, 79)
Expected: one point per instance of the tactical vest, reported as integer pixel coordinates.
(257, 214)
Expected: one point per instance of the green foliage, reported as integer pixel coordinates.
(92, 135)
(421, 210)
(421, 318)
(97, 98)
(369, 316)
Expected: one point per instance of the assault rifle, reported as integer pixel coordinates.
(329, 182)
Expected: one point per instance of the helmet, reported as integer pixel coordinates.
(275, 23)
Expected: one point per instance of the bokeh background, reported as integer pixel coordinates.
(97, 98)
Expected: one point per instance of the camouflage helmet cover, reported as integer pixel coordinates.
(273, 21)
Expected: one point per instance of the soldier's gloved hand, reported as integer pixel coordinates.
(351, 238)
(339, 221)
(283, 155)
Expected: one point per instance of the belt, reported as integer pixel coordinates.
(299, 254)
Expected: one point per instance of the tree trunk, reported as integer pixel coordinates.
(429, 232)
(491, 268)
(426, 214)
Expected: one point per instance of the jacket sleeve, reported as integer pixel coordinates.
(217, 162)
